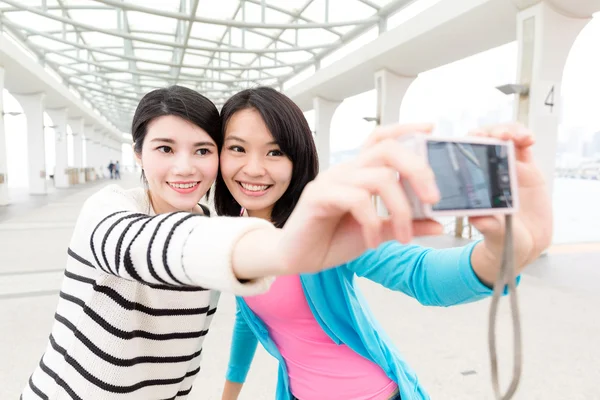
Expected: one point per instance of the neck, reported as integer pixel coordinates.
(263, 214)
(161, 207)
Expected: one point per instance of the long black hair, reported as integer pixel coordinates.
(291, 132)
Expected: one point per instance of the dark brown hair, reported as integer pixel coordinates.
(291, 132)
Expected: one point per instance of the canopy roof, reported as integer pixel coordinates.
(113, 51)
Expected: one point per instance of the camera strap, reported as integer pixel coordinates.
(506, 276)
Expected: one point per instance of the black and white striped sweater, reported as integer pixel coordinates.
(137, 299)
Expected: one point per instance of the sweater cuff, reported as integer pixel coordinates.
(207, 255)
(470, 278)
(236, 374)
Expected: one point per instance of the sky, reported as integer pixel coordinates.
(462, 91)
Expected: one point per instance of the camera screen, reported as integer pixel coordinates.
(470, 176)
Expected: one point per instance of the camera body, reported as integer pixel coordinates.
(476, 176)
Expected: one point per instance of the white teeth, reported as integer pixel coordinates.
(183, 185)
(254, 188)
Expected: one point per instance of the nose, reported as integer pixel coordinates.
(183, 165)
(254, 167)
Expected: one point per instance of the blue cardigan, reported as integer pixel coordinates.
(433, 277)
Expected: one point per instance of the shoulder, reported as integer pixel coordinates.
(114, 196)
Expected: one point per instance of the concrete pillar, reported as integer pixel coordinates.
(77, 128)
(390, 89)
(4, 198)
(33, 108)
(101, 160)
(324, 110)
(59, 119)
(90, 148)
(545, 38)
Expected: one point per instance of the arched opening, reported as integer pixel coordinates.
(577, 180)
(461, 96)
(349, 128)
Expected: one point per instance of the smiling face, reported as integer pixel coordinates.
(254, 168)
(180, 162)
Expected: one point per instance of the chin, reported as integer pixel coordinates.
(256, 205)
(184, 205)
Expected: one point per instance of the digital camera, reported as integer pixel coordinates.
(476, 176)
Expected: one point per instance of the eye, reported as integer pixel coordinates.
(236, 149)
(203, 152)
(275, 153)
(165, 149)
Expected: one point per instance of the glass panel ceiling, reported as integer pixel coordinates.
(114, 51)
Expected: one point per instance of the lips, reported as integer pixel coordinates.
(253, 189)
(187, 185)
(184, 187)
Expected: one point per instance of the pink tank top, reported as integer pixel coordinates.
(317, 367)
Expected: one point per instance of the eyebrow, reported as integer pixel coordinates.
(239, 139)
(171, 141)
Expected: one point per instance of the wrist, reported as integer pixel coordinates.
(256, 254)
(485, 264)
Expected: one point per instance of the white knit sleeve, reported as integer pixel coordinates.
(114, 234)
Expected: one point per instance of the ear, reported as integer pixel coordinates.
(138, 156)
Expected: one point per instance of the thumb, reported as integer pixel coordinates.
(492, 227)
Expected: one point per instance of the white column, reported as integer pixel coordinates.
(78, 147)
(390, 89)
(77, 127)
(101, 160)
(545, 38)
(324, 110)
(59, 119)
(4, 198)
(33, 108)
(90, 148)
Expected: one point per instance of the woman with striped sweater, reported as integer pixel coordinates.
(145, 266)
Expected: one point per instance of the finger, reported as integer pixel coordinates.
(410, 166)
(427, 227)
(384, 182)
(358, 202)
(490, 226)
(395, 200)
(394, 131)
(522, 137)
(517, 132)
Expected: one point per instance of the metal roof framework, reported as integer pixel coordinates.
(112, 52)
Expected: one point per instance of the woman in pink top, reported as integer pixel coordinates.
(318, 326)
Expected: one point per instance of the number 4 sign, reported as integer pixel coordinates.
(550, 96)
(550, 99)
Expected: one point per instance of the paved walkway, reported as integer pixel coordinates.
(559, 299)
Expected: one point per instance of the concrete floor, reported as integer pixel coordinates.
(559, 300)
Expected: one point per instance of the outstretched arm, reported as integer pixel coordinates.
(174, 249)
(433, 277)
(334, 221)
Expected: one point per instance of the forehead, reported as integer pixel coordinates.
(177, 129)
(248, 125)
